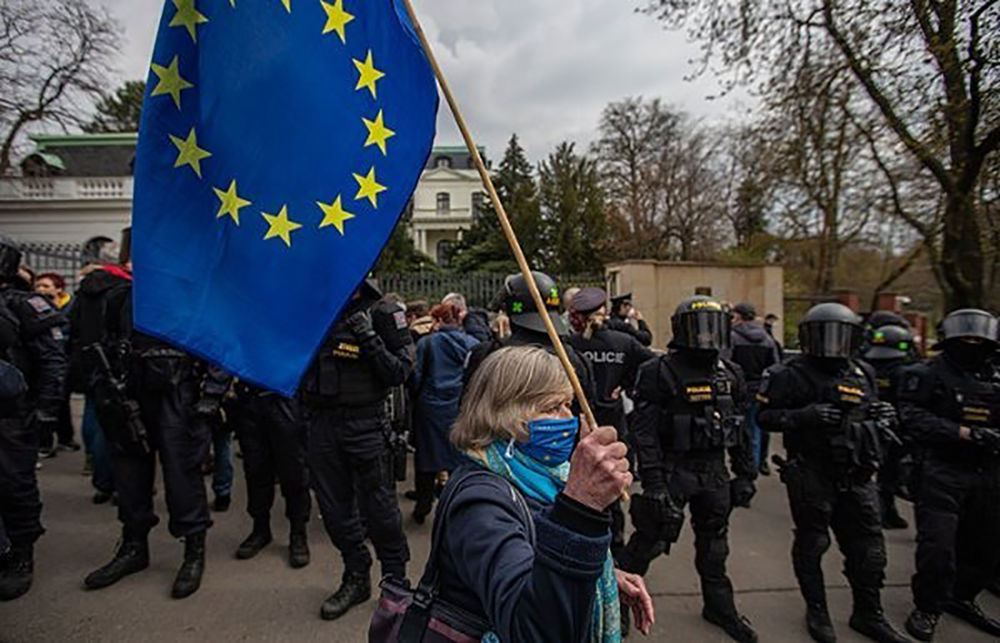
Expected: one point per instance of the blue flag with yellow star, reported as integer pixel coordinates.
(280, 141)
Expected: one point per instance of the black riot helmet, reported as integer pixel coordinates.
(700, 323)
(969, 323)
(10, 259)
(830, 330)
(889, 342)
(520, 307)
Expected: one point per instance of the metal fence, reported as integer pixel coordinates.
(479, 288)
(65, 259)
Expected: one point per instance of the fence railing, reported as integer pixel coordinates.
(62, 258)
(479, 288)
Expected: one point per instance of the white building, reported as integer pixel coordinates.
(78, 188)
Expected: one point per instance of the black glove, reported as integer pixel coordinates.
(360, 324)
(741, 491)
(986, 437)
(818, 415)
(884, 412)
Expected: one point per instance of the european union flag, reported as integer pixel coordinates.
(280, 142)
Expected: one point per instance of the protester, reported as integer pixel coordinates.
(436, 386)
(516, 422)
(754, 350)
(418, 320)
(474, 321)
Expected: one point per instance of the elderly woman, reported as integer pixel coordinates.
(516, 422)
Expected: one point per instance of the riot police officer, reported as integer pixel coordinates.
(528, 328)
(951, 409)
(164, 384)
(826, 405)
(615, 358)
(33, 365)
(367, 352)
(689, 413)
(888, 352)
(272, 437)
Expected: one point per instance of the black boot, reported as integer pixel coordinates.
(355, 588)
(132, 556)
(16, 570)
(972, 614)
(258, 539)
(874, 625)
(921, 625)
(188, 578)
(819, 624)
(222, 503)
(298, 549)
(891, 518)
(737, 627)
(994, 587)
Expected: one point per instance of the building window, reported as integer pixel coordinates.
(445, 249)
(443, 161)
(443, 203)
(478, 205)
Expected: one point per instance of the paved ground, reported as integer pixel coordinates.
(265, 600)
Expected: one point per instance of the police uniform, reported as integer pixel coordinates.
(367, 352)
(689, 414)
(888, 353)
(272, 437)
(31, 342)
(166, 383)
(826, 406)
(958, 482)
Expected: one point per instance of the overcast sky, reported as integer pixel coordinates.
(541, 68)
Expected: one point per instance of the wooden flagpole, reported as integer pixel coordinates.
(508, 230)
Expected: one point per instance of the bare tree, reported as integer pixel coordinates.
(929, 71)
(54, 61)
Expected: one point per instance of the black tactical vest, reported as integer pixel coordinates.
(855, 446)
(970, 400)
(698, 409)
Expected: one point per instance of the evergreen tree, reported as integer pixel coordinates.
(120, 111)
(484, 246)
(573, 213)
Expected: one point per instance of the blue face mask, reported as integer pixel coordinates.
(550, 441)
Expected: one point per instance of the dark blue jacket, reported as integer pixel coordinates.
(436, 384)
(489, 567)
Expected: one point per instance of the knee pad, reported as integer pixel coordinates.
(811, 544)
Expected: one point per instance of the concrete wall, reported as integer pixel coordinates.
(658, 286)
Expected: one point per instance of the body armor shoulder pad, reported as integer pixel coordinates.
(34, 312)
(654, 380)
(389, 321)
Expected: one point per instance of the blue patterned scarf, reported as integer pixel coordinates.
(543, 483)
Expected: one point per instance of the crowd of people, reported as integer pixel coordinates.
(533, 499)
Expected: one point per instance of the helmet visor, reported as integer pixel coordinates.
(830, 338)
(706, 330)
(970, 324)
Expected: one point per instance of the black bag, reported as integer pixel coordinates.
(407, 615)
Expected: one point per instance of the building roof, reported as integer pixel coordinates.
(84, 155)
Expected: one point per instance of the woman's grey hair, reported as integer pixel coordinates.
(508, 389)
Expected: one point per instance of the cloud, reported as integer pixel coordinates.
(543, 69)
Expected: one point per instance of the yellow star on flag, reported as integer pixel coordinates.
(336, 19)
(335, 215)
(187, 16)
(288, 5)
(377, 132)
(189, 153)
(170, 81)
(367, 74)
(231, 202)
(368, 187)
(280, 226)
